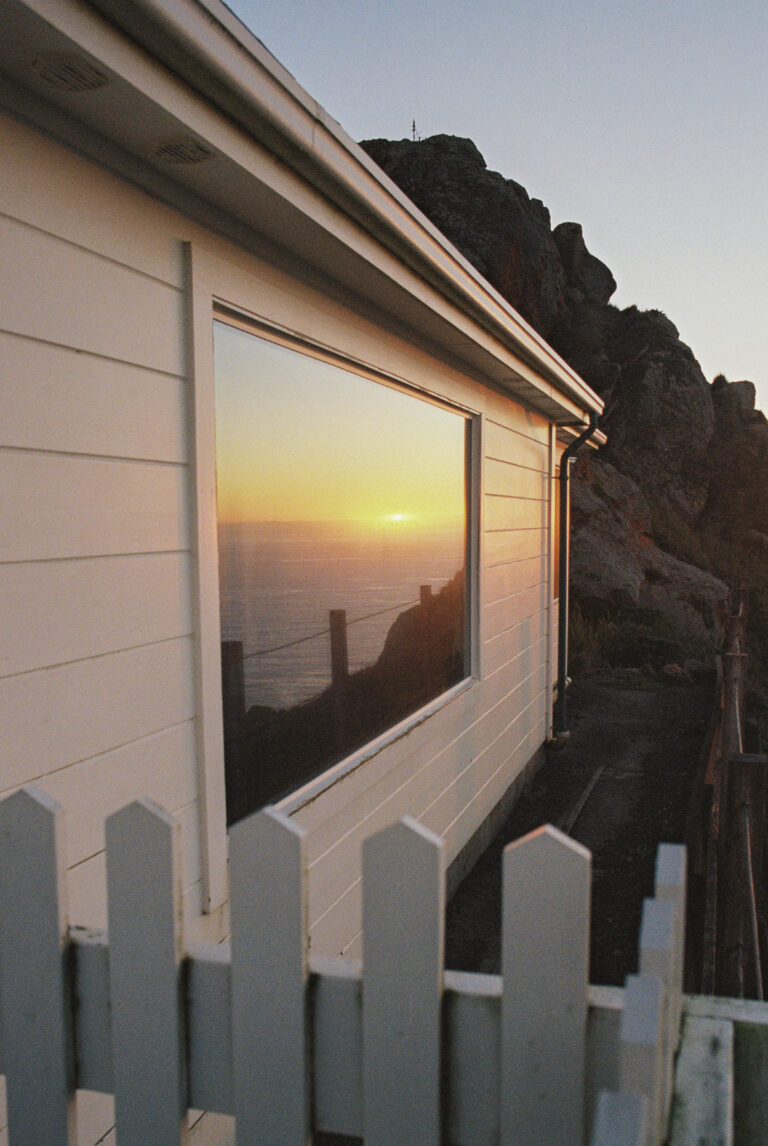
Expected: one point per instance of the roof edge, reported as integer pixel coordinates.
(215, 53)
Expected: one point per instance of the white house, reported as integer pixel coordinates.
(202, 273)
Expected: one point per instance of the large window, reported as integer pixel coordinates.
(342, 506)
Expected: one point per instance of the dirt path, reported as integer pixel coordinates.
(645, 735)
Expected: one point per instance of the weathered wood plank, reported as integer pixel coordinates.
(545, 949)
(670, 887)
(703, 1107)
(145, 953)
(269, 981)
(403, 929)
(37, 1031)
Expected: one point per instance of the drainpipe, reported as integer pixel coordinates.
(560, 731)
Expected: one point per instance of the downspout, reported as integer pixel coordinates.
(560, 731)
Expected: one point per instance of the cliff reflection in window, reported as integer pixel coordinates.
(342, 508)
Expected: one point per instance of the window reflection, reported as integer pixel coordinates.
(342, 545)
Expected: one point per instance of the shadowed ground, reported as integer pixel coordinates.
(646, 734)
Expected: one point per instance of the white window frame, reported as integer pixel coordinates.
(215, 285)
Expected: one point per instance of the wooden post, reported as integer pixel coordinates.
(34, 995)
(545, 967)
(232, 681)
(403, 927)
(339, 653)
(233, 706)
(145, 955)
(269, 981)
(742, 860)
(339, 672)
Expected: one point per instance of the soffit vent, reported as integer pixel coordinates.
(183, 152)
(67, 72)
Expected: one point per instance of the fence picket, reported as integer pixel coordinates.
(659, 957)
(145, 952)
(36, 1023)
(671, 876)
(641, 1049)
(403, 923)
(509, 1051)
(545, 967)
(270, 974)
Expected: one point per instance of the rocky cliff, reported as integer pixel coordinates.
(673, 510)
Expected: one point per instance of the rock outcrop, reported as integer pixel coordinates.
(677, 500)
(490, 219)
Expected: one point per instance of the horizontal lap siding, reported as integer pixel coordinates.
(96, 648)
(123, 410)
(451, 770)
(96, 666)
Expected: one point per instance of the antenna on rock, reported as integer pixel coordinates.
(415, 136)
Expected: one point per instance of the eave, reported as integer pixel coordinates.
(283, 179)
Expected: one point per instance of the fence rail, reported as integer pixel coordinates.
(404, 1053)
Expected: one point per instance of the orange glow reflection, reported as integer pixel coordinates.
(299, 439)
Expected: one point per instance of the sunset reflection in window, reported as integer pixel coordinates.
(342, 549)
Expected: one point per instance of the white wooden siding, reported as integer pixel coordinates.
(97, 695)
(67, 609)
(125, 411)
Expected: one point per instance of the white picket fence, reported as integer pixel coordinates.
(405, 1054)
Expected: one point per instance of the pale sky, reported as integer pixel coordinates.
(644, 120)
